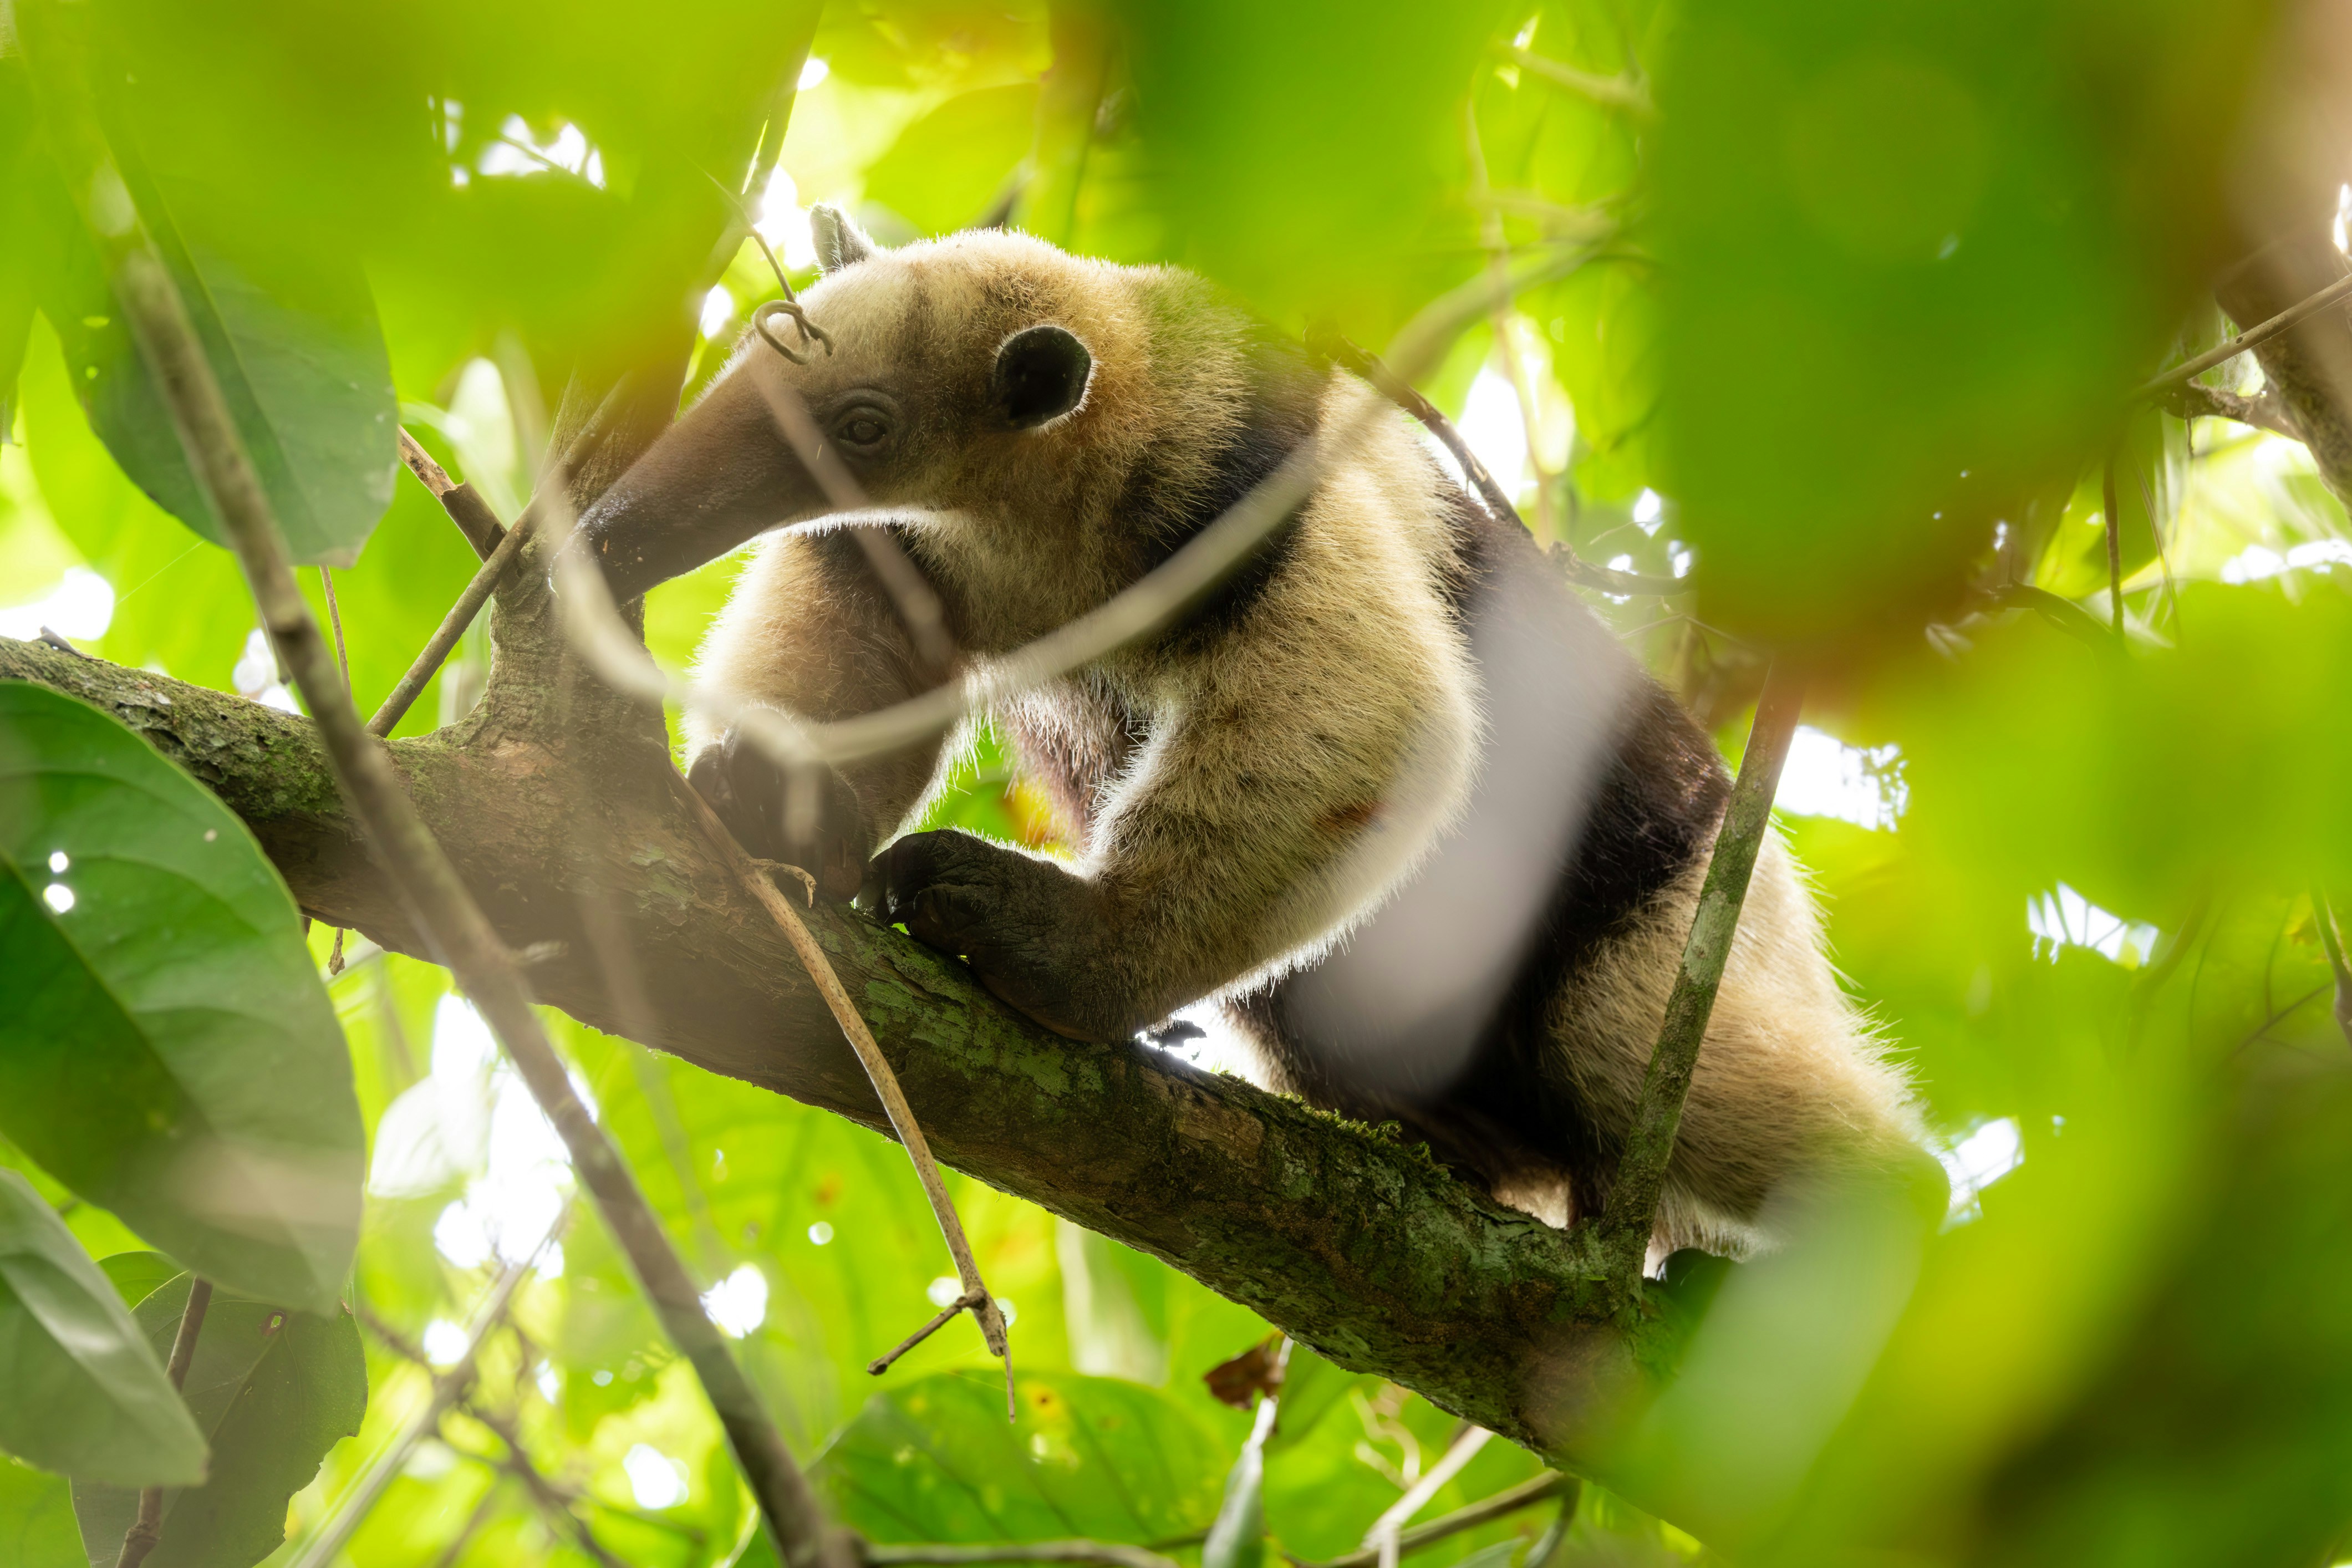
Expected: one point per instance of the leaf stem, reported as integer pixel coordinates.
(148, 1528)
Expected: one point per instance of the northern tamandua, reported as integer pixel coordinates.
(1391, 795)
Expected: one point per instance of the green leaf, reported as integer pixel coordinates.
(169, 1053)
(36, 1521)
(80, 1390)
(1910, 279)
(288, 326)
(936, 1460)
(948, 167)
(136, 1276)
(273, 1390)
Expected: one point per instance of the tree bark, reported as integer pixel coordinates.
(552, 800)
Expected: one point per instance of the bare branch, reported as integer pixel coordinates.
(404, 847)
(2264, 410)
(1386, 1537)
(464, 504)
(1527, 1494)
(1641, 1179)
(554, 1500)
(335, 618)
(886, 1087)
(470, 513)
(350, 1509)
(2261, 332)
(453, 625)
(939, 1320)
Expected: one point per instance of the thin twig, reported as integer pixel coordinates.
(1630, 1215)
(1527, 1494)
(1625, 94)
(554, 1500)
(2332, 939)
(350, 1509)
(1398, 1515)
(453, 625)
(1109, 1553)
(468, 510)
(473, 1525)
(975, 1298)
(2259, 333)
(147, 1529)
(406, 849)
(335, 619)
(882, 1362)
(1365, 366)
(1328, 341)
(473, 515)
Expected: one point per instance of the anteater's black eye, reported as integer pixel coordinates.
(863, 428)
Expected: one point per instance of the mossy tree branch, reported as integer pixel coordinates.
(1350, 1240)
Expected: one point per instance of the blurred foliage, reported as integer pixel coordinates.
(1862, 295)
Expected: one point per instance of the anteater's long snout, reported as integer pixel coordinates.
(722, 475)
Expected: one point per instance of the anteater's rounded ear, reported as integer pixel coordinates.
(839, 242)
(1041, 374)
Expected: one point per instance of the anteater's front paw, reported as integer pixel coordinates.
(1027, 927)
(748, 791)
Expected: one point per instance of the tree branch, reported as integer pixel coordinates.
(2264, 411)
(1353, 1242)
(2304, 345)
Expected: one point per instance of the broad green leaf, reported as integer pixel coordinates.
(273, 1389)
(948, 168)
(936, 1460)
(170, 1054)
(80, 1390)
(36, 1519)
(137, 1274)
(180, 602)
(288, 324)
(292, 338)
(1911, 276)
